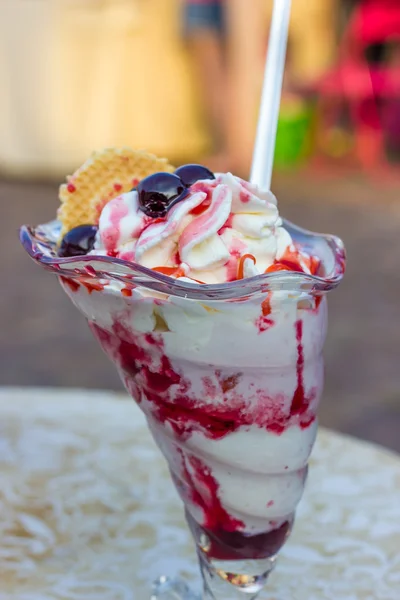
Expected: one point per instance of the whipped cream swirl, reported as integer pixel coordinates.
(203, 237)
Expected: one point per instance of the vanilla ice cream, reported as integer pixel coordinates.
(229, 383)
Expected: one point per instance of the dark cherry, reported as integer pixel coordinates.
(192, 173)
(78, 241)
(159, 192)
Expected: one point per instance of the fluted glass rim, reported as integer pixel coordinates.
(40, 243)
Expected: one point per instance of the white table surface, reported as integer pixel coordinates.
(87, 510)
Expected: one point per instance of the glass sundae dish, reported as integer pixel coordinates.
(213, 309)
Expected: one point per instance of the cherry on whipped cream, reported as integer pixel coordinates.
(78, 241)
(189, 174)
(159, 192)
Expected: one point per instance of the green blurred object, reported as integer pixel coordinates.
(294, 135)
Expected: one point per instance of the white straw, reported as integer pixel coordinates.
(263, 158)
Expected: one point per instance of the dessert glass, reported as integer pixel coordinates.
(229, 377)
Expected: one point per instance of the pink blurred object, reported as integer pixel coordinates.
(377, 20)
(370, 91)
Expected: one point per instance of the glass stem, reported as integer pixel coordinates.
(234, 580)
(218, 583)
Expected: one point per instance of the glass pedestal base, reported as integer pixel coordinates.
(172, 589)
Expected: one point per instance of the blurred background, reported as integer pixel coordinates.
(183, 79)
